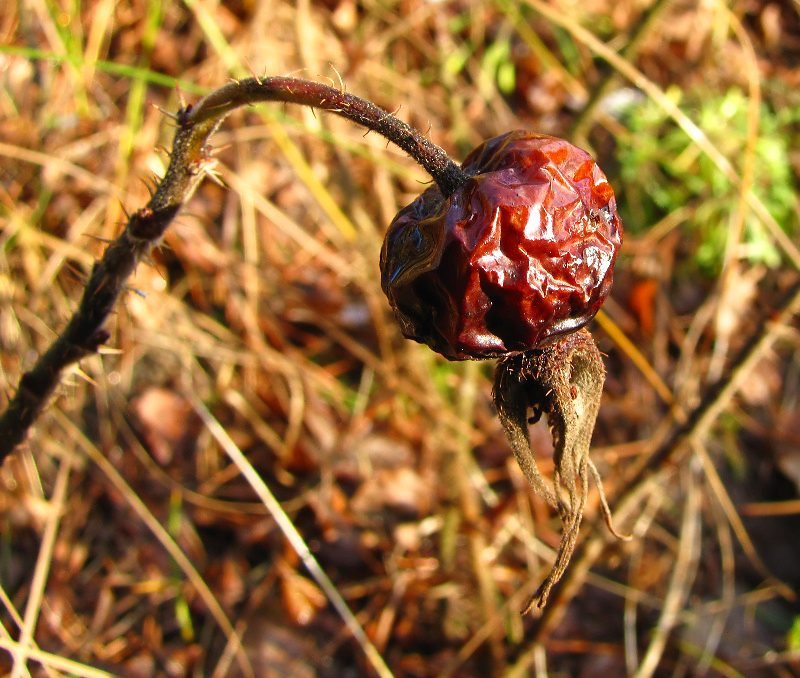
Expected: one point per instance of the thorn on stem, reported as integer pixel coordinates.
(165, 112)
(99, 338)
(342, 88)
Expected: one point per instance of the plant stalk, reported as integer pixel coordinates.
(190, 161)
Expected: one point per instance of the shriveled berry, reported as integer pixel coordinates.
(519, 254)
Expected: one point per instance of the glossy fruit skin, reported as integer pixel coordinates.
(521, 253)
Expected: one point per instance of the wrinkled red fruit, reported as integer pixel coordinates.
(521, 253)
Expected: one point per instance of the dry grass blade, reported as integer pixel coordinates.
(683, 574)
(52, 662)
(59, 164)
(772, 508)
(728, 589)
(636, 356)
(153, 524)
(43, 563)
(649, 18)
(293, 537)
(726, 505)
(732, 263)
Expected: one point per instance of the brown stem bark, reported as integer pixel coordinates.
(190, 160)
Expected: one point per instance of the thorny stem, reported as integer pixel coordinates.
(445, 172)
(85, 333)
(564, 381)
(190, 160)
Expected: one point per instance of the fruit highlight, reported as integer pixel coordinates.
(519, 254)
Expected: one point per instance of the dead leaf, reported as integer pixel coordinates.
(302, 598)
(167, 421)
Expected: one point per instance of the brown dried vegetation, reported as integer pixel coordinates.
(135, 541)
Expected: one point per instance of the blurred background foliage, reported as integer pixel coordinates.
(663, 171)
(134, 540)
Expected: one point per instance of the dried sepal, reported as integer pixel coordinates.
(563, 381)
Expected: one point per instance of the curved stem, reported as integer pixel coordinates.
(190, 161)
(447, 173)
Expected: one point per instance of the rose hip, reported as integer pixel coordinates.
(519, 254)
(509, 256)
